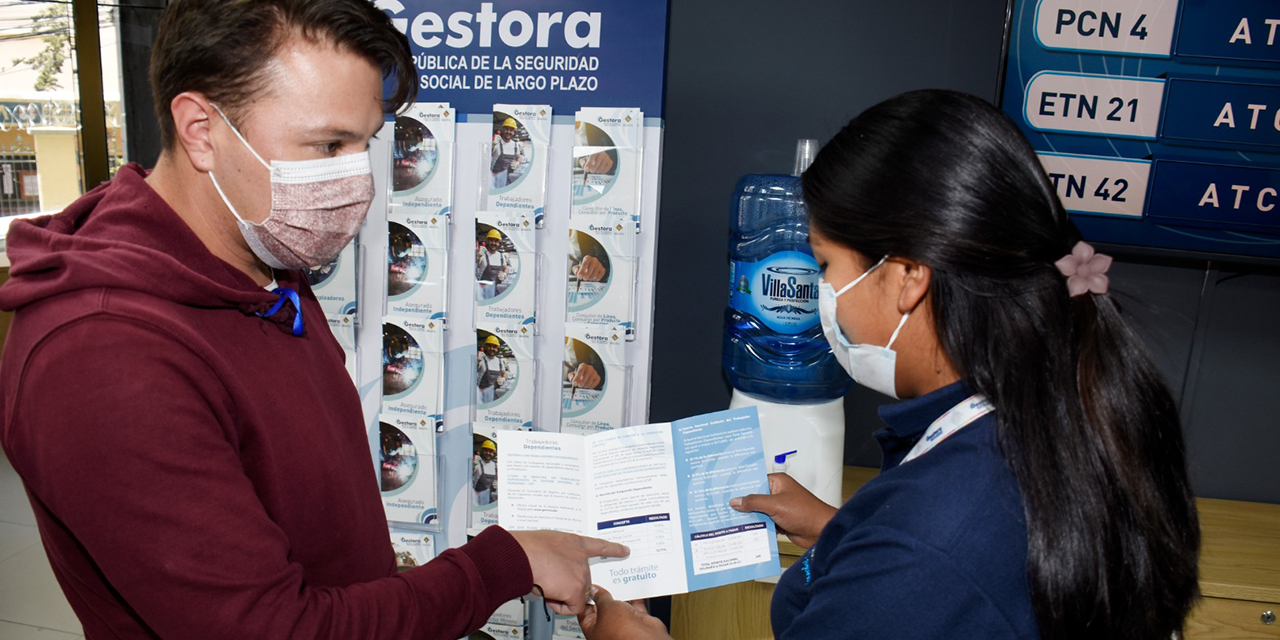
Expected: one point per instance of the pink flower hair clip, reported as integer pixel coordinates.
(1086, 270)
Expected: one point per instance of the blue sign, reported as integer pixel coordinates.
(1216, 194)
(566, 53)
(1216, 112)
(1190, 89)
(1230, 30)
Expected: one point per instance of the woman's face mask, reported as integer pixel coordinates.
(317, 206)
(870, 366)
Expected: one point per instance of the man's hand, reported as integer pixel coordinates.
(590, 269)
(584, 377)
(610, 619)
(559, 564)
(798, 513)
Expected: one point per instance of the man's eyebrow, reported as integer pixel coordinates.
(334, 133)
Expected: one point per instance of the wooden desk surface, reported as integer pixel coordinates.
(1240, 550)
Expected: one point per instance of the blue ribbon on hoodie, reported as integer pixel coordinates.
(286, 293)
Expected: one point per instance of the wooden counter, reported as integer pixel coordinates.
(1239, 578)
(1239, 571)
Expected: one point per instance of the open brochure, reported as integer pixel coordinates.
(661, 489)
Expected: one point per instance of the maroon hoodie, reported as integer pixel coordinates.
(196, 470)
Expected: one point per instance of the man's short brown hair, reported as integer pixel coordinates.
(220, 48)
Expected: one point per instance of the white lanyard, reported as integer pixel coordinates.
(955, 419)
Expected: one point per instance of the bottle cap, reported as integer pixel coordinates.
(806, 149)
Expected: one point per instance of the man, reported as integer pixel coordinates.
(491, 370)
(492, 266)
(484, 473)
(210, 476)
(506, 155)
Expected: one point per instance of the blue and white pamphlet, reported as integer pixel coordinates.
(661, 489)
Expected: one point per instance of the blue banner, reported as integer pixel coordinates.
(566, 53)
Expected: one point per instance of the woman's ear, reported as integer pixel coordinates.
(192, 114)
(915, 287)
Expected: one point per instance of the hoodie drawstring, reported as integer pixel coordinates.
(286, 293)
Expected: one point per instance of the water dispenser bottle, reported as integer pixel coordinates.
(775, 355)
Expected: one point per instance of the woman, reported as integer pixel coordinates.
(1034, 481)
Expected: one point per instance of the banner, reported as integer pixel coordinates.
(566, 53)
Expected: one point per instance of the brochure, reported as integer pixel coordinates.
(430, 230)
(506, 376)
(413, 548)
(506, 268)
(608, 154)
(344, 331)
(422, 171)
(335, 284)
(594, 379)
(661, 489)
(602, 272)
(413, 368)
(417, 272)
(351, 357)
(513, 613)
(484, 478)
(407, 469)
(516, 162)
(567, 628)
(492, 631)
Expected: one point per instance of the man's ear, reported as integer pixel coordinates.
(192, 116)
(916, 278)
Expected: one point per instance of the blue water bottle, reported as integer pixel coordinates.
(773, 343)
(775, 355)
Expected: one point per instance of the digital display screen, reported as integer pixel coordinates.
(1158, 122)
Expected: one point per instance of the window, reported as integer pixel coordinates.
(62, 129)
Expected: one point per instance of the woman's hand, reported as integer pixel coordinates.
(796, 512)
(610, 619)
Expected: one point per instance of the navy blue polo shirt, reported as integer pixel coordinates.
(933, 548)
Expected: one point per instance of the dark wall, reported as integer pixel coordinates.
(745, 79)
(138, 20)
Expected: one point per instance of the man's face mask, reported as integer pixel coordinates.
(317, 206)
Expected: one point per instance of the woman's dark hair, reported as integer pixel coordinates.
(221, 48)
(1084, 421)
